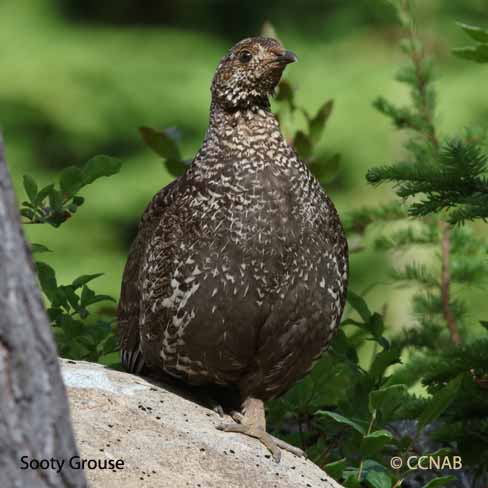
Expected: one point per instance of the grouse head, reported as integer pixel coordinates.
(249, 73)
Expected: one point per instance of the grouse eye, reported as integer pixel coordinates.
(245, 56)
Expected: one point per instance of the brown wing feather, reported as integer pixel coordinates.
(130, 295)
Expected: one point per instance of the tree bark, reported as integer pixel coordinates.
(35, 420)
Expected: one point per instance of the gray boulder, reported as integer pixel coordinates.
(133, 432)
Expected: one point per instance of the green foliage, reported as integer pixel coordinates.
(478, 53)
(347, 426)
(55, 204)
(69, 310)
(166, 144)
(80, 333)
(455, 178)
(324, 166)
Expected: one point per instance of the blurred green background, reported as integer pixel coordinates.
(77, 78)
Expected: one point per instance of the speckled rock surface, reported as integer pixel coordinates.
(165, 440)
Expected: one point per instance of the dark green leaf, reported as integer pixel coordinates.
(100, 298)
(317, 124)
(382, 361)
(86, 295)
(110, 344)
(84, 279)
(475, 32)
(30, 187)
(358, 304)
(56, 200)
(438, 482)
(175, 167)
(38, 248)
(373, 443)
(286, 94)
(99, 166)
(71, 180)
(58, 333)
(43, 194)
(376, 325)
(352, 482)
(342, 420)
(77, 350)
(335, 469)
(325, 169)
(386, 399)
(439, 403)
(302, 145)
(484, 323)
(478, 53)
(163, 142)
(378, 479)
(78, 201)
(342, 347)
(111, 359)
(47, 279)
(27, 213)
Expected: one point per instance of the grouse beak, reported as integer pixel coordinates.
(287, 57)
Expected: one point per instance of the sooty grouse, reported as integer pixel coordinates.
(238, 273)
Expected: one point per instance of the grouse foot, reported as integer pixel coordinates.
(253, 424)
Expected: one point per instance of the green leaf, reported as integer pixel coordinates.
(317, 124)
(386, 399)
(335, 469)
(100, 298)
(27, 213)
(378, 479)
(163, 142)
(77, 350)
(47, 279)
(342, 420)
(475, 32)
(56, 200)
(439, 403)
(99, 166)
(373, 443)
(71, 180)
(382, 361)
(342, 347)
(78, 201)
(111, 359)
(286, 94)
(325, 169)
(43, 194)
(375, 325)
(352, 482)
(302, 145)
(88, 297)
(38, 248)
(479, 53)
(30, 187)
(84, 279)
(438, 482)
(175, 167)
(110, 344)
(358, 304)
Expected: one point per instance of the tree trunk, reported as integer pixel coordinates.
(35, 421)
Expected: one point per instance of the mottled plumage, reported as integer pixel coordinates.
(238, 273)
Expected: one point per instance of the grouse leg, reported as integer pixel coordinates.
(253, 424)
